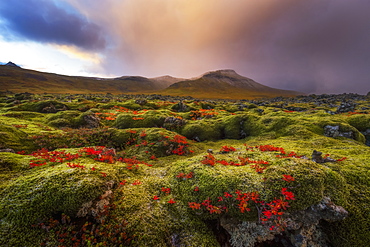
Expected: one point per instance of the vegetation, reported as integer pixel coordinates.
(104, 170)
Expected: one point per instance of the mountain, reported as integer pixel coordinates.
(12, 65)
(15, 79)
(167, 80)
(223, 84)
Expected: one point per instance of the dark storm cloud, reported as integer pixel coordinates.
(316, 46)
(50, 22)
(310, 46)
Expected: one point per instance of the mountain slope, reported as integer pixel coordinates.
(166, 81)
(16, 79)
(225, 84)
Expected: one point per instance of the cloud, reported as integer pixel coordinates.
(312, 46)
(48, 21)
(316, 46)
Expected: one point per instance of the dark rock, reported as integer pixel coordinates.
(91, 121)
(334, 131)
(7, 150)
(97, 207)
(367, 136)
(173, 123)
(49, 109)
(303, 228)
(316, 157)
(197, 139)
(175, 240)
(181, 107)
(141, 101)
(346, 107)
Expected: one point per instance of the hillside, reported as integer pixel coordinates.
(223, 84)
(16, 79)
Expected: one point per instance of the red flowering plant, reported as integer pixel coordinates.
(227, 149)
(203, 113)
(51, 157)
(75, 138)
(100, 153)
(270, 212)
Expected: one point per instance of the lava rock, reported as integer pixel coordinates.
(334, 131)
(91, 121)
(346, 107)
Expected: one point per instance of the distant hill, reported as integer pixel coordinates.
(166, 81)
(15, 79)
(224, 84)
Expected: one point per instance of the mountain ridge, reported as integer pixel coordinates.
(224, 84)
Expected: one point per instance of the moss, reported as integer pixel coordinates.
(344, 127)
(353, 231)
(360, 122)
(145, 120)
(70, 119)
(298, 131)
(130, 104)
(39, 106)
(311, 177)
(159, 142)
(29, 195)
(251, 126)
(11, 161)
(232, 127)
(276, 123)
(39, 194)
(336, 187)
(62, 119)
(202, 130)
(25, 115)
(207, 105)
(11, 137)
(231, 107)
(81, 105)
(158, 222)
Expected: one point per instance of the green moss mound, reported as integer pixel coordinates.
(360, 122)
(70, 119)
(41, 194)
(13, 138)
(41, 106)
(146, 120)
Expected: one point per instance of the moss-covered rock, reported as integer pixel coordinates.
(11, 137)
(43, 193)
(360, 122)
(73, 119)
(201, 130)
(48, 106)
(145, 120)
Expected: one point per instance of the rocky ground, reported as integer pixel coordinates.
(135, 170)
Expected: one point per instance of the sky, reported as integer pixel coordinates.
(315, 46)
